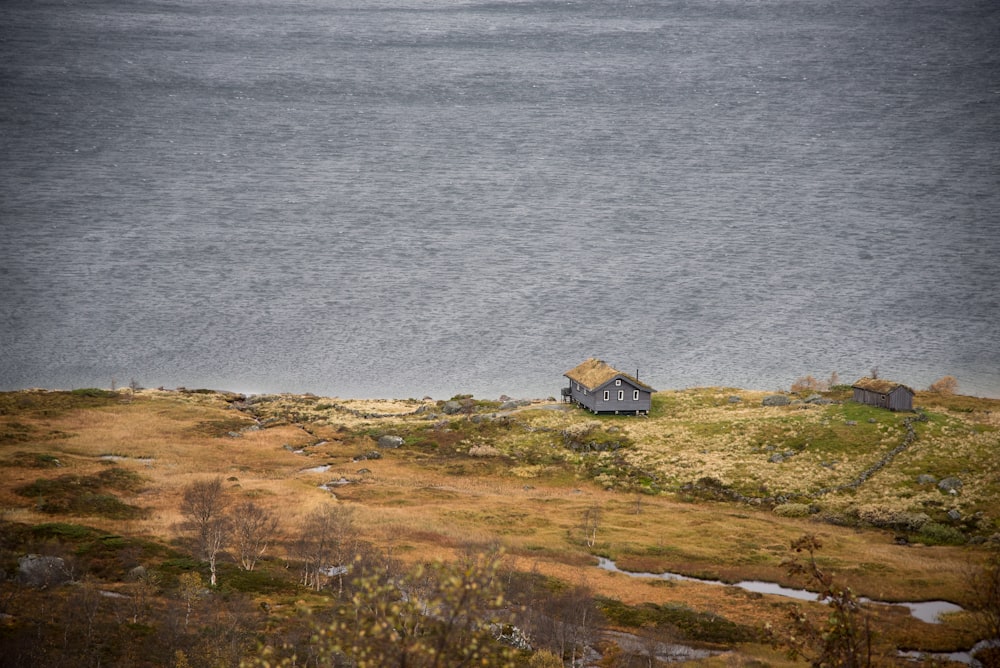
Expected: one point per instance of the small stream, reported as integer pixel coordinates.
(925, 611)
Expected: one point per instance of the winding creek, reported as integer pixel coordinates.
(926, 611)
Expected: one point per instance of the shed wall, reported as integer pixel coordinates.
(898, 399)
(594, 399)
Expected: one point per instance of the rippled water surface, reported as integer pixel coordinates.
(431, 197)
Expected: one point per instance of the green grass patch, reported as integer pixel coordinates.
(86, 495)
(32, 460)
(42, 403)
(64, 531)
(933, 533)
(223, 427)
(701, 626)
(181, 564)
(94, 393)
(254, 582)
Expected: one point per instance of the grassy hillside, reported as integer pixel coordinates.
(712, 484)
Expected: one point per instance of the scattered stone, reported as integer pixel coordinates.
(851, 423)
(872, 420)
(734, 399)
(451, 407)
(390, 442)
(926, 479)
(775, 400)
(776, 458)
(951, 484)
(374, 454)
(37, 571)
(954, 515)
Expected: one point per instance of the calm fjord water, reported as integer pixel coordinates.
(392, 199)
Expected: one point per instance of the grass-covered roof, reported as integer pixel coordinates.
(594, 372)
(880, 385)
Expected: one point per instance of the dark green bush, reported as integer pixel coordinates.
(693, 625)
(63, 531)
(85, 495)
(94, 393)
(255, 582)
(933, 533)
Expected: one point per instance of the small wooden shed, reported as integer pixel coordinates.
(883, 394)
(600, 388)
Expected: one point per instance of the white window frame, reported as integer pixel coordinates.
(607, 395)
(618, 382)
(621, 395)
(635, 395)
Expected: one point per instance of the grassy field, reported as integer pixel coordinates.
(711, 484)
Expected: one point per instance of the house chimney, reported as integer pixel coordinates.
(637, 374)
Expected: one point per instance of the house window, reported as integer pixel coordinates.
(618, 382)
(621, 394)
(635, 396)
(607, 395)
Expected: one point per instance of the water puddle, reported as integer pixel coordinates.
(327, 486)
(317, 469)
(925, 611)
(122, 458)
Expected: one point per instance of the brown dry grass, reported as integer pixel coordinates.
(412, 502)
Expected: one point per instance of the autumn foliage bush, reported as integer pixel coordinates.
(944, 385)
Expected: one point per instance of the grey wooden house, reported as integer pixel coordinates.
(600, 388)
(883, 394)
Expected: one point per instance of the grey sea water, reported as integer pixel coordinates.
(410, 197)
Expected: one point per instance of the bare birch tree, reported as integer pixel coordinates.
(254, 528)
(204, 505)
(203, 502)
(591, 520)
(326, 545)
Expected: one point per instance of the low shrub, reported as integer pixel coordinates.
(94, 393)
(933, 533)
(897, 520)
(86, 495)
(63, 531)
(792, 510)
(255, 582)
(702, 626)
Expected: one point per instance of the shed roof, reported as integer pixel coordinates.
(880, 385)
(594, 372)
